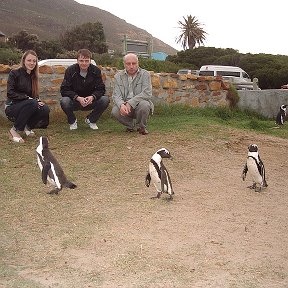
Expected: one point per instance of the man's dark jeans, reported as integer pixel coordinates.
(97, 106)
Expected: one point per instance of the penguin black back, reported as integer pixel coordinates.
(158, 174)
(50, 168)
(280, 118)
(255, 166)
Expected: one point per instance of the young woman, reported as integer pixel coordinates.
(23, 106)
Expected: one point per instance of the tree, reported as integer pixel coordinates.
(49, 49)
(88, 35)
(191, 33)
(24, 41)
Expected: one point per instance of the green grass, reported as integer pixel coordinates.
(42, 236)
(169, 118)
(181, 117)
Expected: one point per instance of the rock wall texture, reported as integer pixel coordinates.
(196, 91)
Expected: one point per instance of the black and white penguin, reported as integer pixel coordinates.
(158, 175)
(280, 118)
(50, 168)
(255, 167)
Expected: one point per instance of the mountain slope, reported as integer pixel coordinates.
(49, 18)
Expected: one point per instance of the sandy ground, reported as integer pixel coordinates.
(109, 233)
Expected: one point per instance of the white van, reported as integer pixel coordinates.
(62, 62)
(227, 72)
(235, 75)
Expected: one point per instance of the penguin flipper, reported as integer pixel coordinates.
(45, 172)
(148, 179)
(244, 172)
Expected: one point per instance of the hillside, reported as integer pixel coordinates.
(49, 18)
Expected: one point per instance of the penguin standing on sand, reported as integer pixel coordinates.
(255, 167)
(280, 118)
(158, 174)
(50, 168)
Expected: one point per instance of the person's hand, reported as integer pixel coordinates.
(88, 100)
(82, 101)
(40, 103)
(129, 108)
(125, 109)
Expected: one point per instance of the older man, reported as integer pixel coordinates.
(132, 95)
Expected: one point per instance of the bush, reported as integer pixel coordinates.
(232, 96)
(10, 56)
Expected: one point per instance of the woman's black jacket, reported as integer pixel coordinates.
(19, 85)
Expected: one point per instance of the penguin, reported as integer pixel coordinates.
(50, 168)
(158, 174)
(280, 118)
(256, 169)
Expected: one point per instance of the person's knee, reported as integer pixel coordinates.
(34, 104)
(46, 109)
(65, 102)
(105, 101)
(144, 106)
(115, 112)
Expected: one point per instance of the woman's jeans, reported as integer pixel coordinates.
(28, 112)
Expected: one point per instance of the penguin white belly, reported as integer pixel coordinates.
(155, 177)
(39, 163)
(253, 171)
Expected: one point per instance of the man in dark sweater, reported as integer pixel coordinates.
(83, 89)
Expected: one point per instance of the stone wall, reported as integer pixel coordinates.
(196, 91)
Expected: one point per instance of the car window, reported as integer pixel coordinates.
(206, 73)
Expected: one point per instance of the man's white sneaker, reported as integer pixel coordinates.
(91, 125)
(74, 125)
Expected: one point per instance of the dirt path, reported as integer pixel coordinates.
(109, 233)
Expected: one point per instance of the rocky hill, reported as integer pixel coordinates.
(49, 18)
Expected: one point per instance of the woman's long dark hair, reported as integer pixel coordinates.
(34, 72)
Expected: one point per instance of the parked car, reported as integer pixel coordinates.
(187, 71)
(285, 86)
(62, 62)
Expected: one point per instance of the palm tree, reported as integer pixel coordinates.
(191, 33)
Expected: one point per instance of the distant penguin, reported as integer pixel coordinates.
(255, 167)
(50, 168)
(280, 118)
(158, 175)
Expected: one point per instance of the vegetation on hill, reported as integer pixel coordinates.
(270, 70)
(49, 19)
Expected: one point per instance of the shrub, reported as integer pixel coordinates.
(10, 56)
(232, 96)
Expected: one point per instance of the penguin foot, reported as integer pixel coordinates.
(157, 196)
(70, 185)
(253, 186)
(54, 191)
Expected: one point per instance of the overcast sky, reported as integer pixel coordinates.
(248, 26)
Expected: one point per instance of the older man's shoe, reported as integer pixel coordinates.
(142, 131)
(128, 129)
